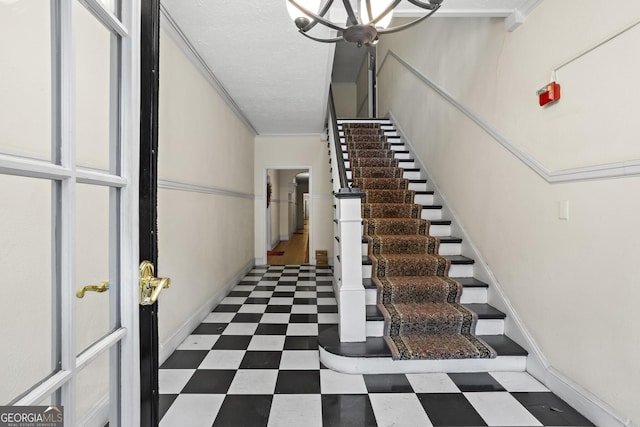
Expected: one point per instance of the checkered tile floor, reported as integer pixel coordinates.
(254, 362)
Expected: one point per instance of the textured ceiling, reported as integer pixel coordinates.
(278, 78)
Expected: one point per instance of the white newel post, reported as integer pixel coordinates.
(352, 309)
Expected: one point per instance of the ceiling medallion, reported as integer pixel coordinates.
(365, 24)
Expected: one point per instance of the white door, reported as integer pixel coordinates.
(69, 114)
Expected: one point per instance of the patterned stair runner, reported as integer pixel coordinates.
(421, 304)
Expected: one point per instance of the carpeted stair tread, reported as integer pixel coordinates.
(484, 311)
(409, 265)
(466, 282)
(403, 243)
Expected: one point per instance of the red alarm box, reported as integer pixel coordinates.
(549, 93)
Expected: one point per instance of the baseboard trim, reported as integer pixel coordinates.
(597, 411)
(167, 347)
(99, 414)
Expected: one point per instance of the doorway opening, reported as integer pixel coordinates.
(288, 217)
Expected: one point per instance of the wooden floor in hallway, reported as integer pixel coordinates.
(296, 249)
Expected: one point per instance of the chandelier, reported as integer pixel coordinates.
(364, 25)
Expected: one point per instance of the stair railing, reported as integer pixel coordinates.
(347, 271)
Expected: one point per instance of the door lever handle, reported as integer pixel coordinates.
(102, 287)
(151, 286)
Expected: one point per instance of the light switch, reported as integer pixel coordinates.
(563, 209)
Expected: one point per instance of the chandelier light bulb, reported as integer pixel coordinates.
(296, 14)
(377, 7)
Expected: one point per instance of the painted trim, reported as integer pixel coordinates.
(194, 188)
(600, 171)
(167, 347)
(537, 365)
(174, 31)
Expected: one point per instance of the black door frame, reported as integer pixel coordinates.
(149, 65)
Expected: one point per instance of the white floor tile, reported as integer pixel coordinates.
(233, 300)
(327, 301)
(295, 410)
(222, 359)
(275, 318)
(288, 279)
(332, 382)
(268, 282)
(302, 329)
(251, 279)
(324, 318)
(271, 275)
(244, 288)
(300, 359)
(254, 381)
(324, 279)
(518, 382)
(172, 381)
(304, 309)
(306, 274)
(240, 328)
(432, 383)
(305, 294)
(198, 342)
(304, 282)
(286, 288)
(260, 294)
(219, 318)
(280, 301)
(252, 308)
(325, 288)
(266, 343)
(501, 409)
(398, 410)
(193, 410)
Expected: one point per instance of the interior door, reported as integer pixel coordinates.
(69, 152)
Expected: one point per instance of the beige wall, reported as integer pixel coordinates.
(274, 208)
(295, 152)
(205, 237)
(363, 90)
(345, 98)
(573, 282)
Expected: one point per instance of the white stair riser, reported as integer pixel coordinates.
(401, 156)
(431, 214)
(418, 186)
(406, 164)
(398, 147)
(375, 328)
(411, 175)
(371, 296)
(423, 199)
(445, 249)
(461, 270)
(440, 230)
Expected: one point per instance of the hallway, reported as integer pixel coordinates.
(295, 251)
(254, 361)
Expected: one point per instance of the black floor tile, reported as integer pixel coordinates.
(303, 318)
(257, 301)
(210, 329)
(239, 294)
(478, 381)
(298, 382)
(244, 410)
(261, 360)
(347, 411)
(388, 383)
(232, 342)
(304, 301)
(283, 294)
(271, 329)
(326, 295)
(450, 409)
(305, 288)
(185, 359)
(549, 409)
(247, 318)
(278, 309)
(264, 288)
(301, 343)
(209, 381)
(327, 309)
(165, 401)
(227, 308)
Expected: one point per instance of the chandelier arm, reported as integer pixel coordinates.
(410, 24)
(315, 17)
(369, 11)
(423, 5)
(384, 12)
(317, 39)
(350, 12)
(322, 12)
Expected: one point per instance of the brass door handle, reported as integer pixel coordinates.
(151, 286)
(102, 287)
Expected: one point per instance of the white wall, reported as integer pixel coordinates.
(206, 233)
(362, 84)
(295, 152)
(345, 98)
(573, 282)
(274, 208)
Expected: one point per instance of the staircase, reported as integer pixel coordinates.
(373, 355)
